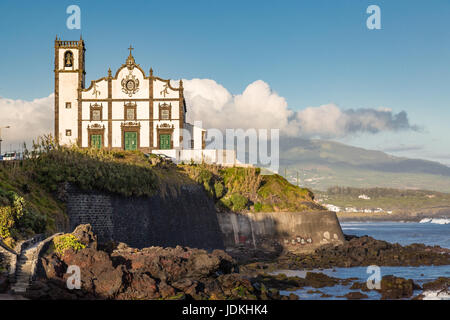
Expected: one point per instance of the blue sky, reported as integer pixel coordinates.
(309, 52)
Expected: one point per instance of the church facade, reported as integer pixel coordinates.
(125, 110)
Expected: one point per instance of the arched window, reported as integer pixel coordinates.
(68, 59)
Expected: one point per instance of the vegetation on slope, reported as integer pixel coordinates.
(30, 190)
(245, 189)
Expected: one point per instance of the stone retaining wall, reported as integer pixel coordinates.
(184, 217)
(294, 231)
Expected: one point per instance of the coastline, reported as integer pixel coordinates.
(383, 216)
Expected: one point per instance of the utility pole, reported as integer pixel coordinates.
(7, 127)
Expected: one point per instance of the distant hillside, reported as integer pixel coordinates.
(398, 201)
(323, 164)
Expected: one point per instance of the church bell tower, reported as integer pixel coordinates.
(69, 80)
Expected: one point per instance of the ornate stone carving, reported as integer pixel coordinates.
(165, 125)
(130, 124)
(96, 126)
(165, 90)
(130, 84)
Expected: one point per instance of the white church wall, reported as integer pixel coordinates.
(68, 84)
(162, 90)
(100, 88)
(144, 134)
(142, 110)
(116, 134)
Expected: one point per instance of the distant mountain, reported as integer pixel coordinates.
(322, 164)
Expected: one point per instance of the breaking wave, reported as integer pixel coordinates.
(435, 220)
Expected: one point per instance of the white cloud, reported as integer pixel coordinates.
(28, 120)
(259, 107)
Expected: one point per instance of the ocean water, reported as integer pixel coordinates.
(428, 232)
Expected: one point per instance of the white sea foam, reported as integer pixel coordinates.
(435, 221)
(436, 295)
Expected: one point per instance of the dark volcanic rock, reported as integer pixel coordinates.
(86, 236)
(440, 284)
(149, 273)
(365, 251)
(320, 280)
(98, 275)
(396, 288)
(356, 295)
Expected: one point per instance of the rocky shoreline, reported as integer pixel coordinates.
(116, 271)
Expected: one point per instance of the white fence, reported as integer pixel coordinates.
(212, 156)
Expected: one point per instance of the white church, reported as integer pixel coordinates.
(125, 110)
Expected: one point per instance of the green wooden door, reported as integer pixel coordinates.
(130, 140)
(96, 141)
(164, 141)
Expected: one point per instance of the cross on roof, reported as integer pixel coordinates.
(130, 48)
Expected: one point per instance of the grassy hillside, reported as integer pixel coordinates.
(29, 189)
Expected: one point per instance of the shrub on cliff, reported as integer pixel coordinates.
(67, 241)
(239, 202)
(17, 219)
(234, 188)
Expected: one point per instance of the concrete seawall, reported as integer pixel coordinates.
(294, 231)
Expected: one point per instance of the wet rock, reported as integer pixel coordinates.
(364, 251)
(293, 296)
(440, 284)
(356, 295)
(396, 288)
(320, 280)
(359, 286)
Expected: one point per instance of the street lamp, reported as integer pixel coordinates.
(7, 127)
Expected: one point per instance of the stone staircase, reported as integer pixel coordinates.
(25, 265)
